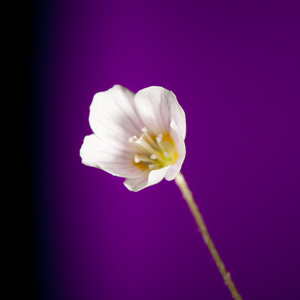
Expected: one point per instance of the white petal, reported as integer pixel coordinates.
(174, 169)
(113, 116)
(157, 107)
(178, 118)
(181, 151)
(97, 154)
(155, 176)
(136, 184)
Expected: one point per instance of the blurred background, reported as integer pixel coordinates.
(234, 67)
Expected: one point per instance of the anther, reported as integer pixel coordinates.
(136, 159)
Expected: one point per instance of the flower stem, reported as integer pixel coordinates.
(187, 195)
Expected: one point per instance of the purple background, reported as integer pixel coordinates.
(235, 70)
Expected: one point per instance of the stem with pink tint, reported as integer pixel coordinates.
(187, 195)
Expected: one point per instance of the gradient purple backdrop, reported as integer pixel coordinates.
(235, 71)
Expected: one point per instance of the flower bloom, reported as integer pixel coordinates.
(136, 136)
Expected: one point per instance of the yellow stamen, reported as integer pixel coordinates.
(153, 152)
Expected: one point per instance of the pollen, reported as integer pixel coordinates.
(153, 151)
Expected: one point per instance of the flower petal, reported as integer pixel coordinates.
(181, 151)
(155, 176)
(136, 184)
(95, 153)
(157, 107)
(113, 117)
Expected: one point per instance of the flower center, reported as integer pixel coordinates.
(153, 152)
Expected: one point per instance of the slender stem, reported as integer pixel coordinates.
(187, 195)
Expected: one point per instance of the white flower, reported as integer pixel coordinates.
(136, 136)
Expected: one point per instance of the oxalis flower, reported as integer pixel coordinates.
(141, 137)
(136, 136)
